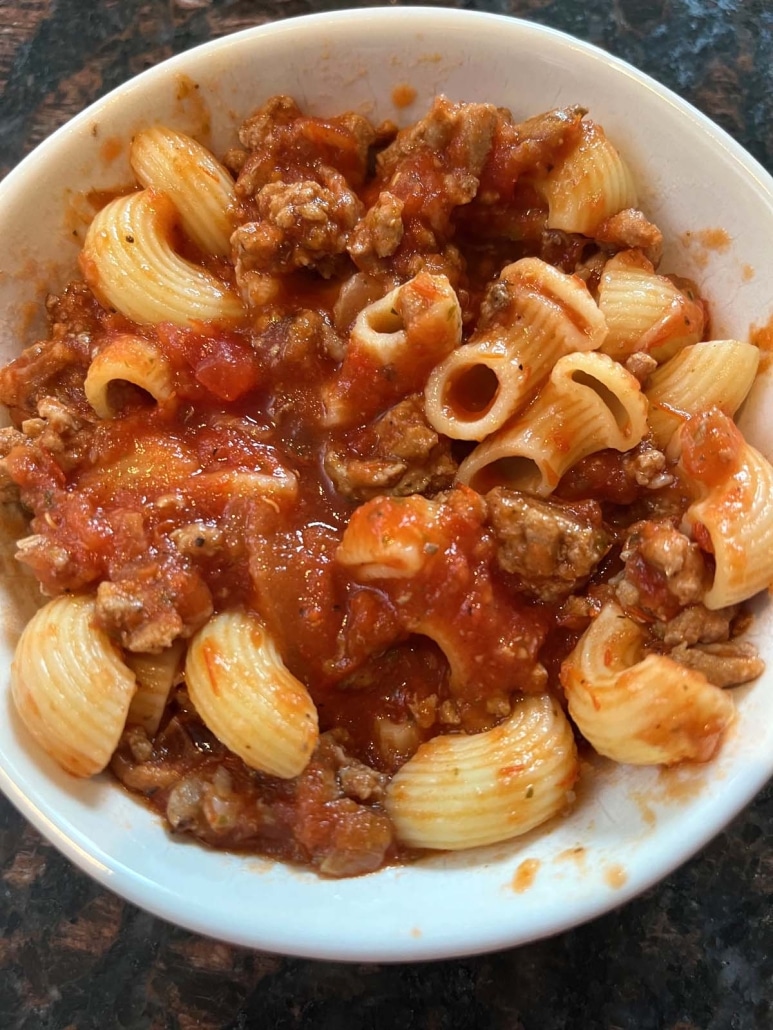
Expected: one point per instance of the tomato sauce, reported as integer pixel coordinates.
(223, 495)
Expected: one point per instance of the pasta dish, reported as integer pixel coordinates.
(374, 474)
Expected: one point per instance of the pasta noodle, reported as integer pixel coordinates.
(156, 675)
(732, 508)
(714, 374)
(399, 337)
(640, 709)
(368, 468)
(645, 311)
(70, 685)
(465, 791)
(590, 403)
(401, 545)
(128, 260)
(247, 697)
(482, 384)
(128, 359)
(591, 184)
(200, 188)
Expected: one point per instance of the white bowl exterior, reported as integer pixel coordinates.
(632, 826)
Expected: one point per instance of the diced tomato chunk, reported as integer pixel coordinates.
(228, 369)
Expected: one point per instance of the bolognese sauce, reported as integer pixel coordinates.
(155, 509)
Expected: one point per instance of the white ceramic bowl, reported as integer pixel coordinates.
(630, 827)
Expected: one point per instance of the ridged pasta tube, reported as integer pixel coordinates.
(545, 314)
(734, 483)
(589, 185)
(646, 311)
(201, 189)
(589, 403)
(460, 791)
(640, 709)
(394, 343)
(128, 261)
(714, 374)
(71, 686)
(131, 359)
(244, 693)
(156, 674)
(393, 538)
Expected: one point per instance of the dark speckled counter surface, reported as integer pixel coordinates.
(694, 953)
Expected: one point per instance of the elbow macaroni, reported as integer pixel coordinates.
(399, 337)
(200, 188)
(244, 693)
(70, 685)
(645, 311)
(465, 791)
(640, 709)
(715, 374)
(156, 675)
(733, 509)
(129, 262)
(591, 184)
(129, 359)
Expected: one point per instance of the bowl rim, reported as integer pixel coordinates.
(406, 15)
(152, 897)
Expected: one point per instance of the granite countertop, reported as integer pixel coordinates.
(694, 953)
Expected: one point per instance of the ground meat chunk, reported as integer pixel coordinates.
(298, 341)
(619, 478)
(426, 174)
(497, 305)
(198, 539)
(46, 558)
(696, 624)
(278, 110)
(435, 259)
(725, 665)
(465, 129)
(630, 230)
(648, 467)
(9, 438)
(664, 571)
(361, 783)
(351, 838)
(75, 312)
(55, 429)
(355, 779)
(399, 454)
(363, 478)
(551, 548)
(506, 206)
(50, 366)
(302, 224)
(327, 817)
(296, 201)
(284, 145)
(152, 604)
(641, 365)
(379, 233)
(56, 366)
(61, 418)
